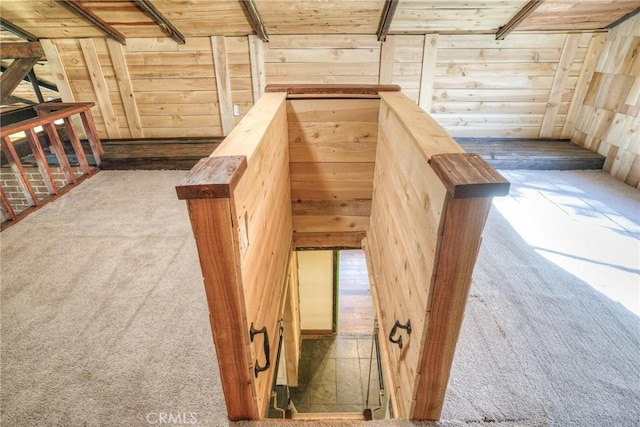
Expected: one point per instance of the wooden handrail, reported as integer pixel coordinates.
(62, 110)
(48, 114)
(334, 90)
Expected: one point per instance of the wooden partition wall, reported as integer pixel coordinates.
(318, 166)
(239, 202)
(430, 202)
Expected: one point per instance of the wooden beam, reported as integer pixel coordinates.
(95, 20)
(35, 83)
(387, 54)
(41, 83)
(14, 50)
(126, 89)
(584, 81)
(14, 29)
(59, 74)
(256, 19)
(429, 56)
(223, 83)
(165, 25)
(516, 20)
(559, 85)
(16, 72)
(258, 74)
(386, 18)
(623, 19)
(100, 87)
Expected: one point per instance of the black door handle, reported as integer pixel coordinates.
(257, 369)
(406, 327)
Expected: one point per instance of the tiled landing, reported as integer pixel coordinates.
(334, 376)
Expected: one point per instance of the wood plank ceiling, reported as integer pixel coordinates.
(127, 19)
(194, 18)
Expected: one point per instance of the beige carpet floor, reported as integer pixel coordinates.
(104, 320)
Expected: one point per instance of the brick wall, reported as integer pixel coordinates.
(14, 193)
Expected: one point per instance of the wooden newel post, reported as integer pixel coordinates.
(471, 185)
(208, 189)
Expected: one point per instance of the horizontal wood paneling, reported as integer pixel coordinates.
(332, 148)
(167, 102)
(607, 117)
(315, 59)
(492, 88)
(479, 86)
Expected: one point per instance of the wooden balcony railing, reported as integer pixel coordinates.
(74, 163)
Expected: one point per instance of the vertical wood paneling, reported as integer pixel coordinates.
(223, 84)
(608, 118)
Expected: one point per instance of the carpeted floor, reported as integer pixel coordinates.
(104, 320)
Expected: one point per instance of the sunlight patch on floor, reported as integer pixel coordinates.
(579, 234)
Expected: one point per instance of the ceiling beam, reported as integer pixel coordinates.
(42, 83)
(386, 18)
(31, 76)
(95, 20)
(624, 18)
(516, 20)
(14, 29)
(15, 73)
(165, 25)
(256, 20)
(13, 50)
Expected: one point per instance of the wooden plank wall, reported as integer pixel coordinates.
(329, 59)
(173, 86)
(261, 212)
(239, 202)
(482, 87)
(408, 196)
(474, 85)
(608, 105)
(332, 149)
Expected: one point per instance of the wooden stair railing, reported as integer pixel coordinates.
(48, 114)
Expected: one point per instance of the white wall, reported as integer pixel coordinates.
(315, 272)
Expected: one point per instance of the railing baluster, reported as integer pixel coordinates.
(41, 161)
(77, 146)
(19, 172)
(48, 113)
(58, 150)
(92, 135)
(5, 206)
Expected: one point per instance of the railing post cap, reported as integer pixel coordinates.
(212, 178)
